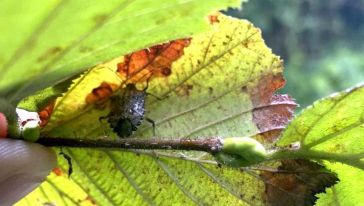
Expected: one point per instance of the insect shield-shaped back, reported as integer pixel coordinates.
(127, 110)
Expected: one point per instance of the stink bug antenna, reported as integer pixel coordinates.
(150, 94)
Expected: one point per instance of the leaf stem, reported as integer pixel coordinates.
(211, 145)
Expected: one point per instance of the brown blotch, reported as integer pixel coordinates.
(51, 52)
(262, 93)
(296, 182)
(46, 113)
(271, 112)
(155, 61)
(101, 93)
(166, 71)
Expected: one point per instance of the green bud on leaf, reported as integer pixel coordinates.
(241, 152)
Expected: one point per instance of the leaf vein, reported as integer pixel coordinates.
(177, 182)
(131, 181)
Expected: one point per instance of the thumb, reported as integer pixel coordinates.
(24, 166)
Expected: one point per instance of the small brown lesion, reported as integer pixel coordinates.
(184, 90)
(49, 53)
(213, 19)
(58, 171)
(244, 89)
(89, 200)
(211, 90)
(99, 18)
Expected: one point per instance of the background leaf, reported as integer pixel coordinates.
(332, 129)
(222, 85)
(44, 43)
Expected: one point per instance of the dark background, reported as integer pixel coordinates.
(321, 42)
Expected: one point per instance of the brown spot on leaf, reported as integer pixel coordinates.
(184, 89)
(211, 90)
(45, 114)
(89, 200)
(296, 182)
(49, 204)
(155, 61)
(100, 18)
(57, 171)
(214, 19)
(51, 52)
(101, 93)
(271, 112)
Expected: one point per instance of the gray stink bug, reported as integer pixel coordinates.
(127, 111)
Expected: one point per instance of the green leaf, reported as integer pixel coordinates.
(44, 43)
(331, 130)
(222, 85)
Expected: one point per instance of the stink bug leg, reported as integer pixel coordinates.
(152, 123)
(69, 161)
(150, 94)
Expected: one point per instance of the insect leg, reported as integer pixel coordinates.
(104, 129)
(69, 161)
(151, 122)
(145, 90)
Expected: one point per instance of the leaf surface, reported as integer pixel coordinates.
(332, 129)
(222, 85)
(46, 43)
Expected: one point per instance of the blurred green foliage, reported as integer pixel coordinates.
(320, 41)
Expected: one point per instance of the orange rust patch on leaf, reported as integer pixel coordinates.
(101, 93)
(155, 61)
(45, 114)
(271, 112)
(57, 171)
(296, 182)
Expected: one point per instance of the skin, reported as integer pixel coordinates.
(24, 166)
